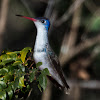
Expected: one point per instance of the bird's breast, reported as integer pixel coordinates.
(46, 63)
(41, 57)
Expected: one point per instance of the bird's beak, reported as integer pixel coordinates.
(27, 17)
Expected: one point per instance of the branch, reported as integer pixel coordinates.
(76, 86)
(90, 84)
(3, 18)
(91, 6)
(69, 41)
(85, 62)
(74, 29)
(68, 13)
(78, 49)
(47, 93)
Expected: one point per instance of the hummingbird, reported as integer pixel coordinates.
(44, 53)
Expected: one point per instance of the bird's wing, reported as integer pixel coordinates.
(55, 62)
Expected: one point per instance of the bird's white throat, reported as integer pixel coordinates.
(42, 36)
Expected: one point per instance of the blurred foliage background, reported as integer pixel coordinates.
(74, 35)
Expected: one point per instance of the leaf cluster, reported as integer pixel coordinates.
(18, 71)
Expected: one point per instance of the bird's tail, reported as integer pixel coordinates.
(67, 90)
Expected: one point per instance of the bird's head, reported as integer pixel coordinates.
(39, 22)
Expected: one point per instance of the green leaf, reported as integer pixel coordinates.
(1, 79)
(24, 53)
(2, 85)
(28, 87)
(15, 84)
(18, 73)
(3, 95)
(10, 92)
(45, 71)
(17, 63)
(21, 82)
(32, 75)
(4, 51)
(8, 60)
(3, 57)
(38, 64)
(2, 63)
(22, 67)
(12, 53)
(11, 69)
(8, 77)
(42, 81)
(3, 71)
(14, 57)
(39, 87)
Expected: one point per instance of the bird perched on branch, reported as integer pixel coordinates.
(43, 53)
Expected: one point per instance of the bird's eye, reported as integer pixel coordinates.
(43, 21)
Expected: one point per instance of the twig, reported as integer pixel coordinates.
(49, 8)
(68, 13)
(31, 65)
(29, 58)
(29, 94)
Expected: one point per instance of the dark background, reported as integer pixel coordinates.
(74, 35)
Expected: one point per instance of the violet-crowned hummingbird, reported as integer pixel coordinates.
(43, 53)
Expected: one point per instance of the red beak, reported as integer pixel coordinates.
(27, 17)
